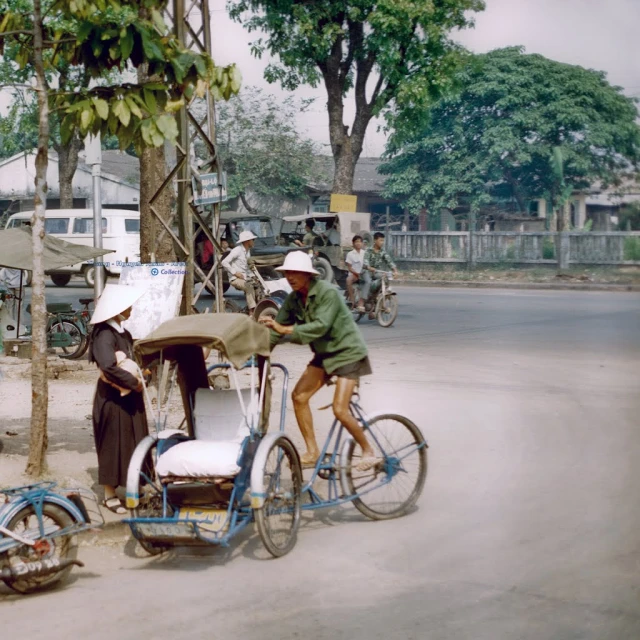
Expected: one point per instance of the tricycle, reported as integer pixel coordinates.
(38, 533)
(225, 470)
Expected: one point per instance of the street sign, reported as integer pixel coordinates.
(208, 189)
(342, 203)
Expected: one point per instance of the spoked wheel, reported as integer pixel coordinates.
(279, 517)
(79, 341)
(387, 310)
(151, 507)
(393, 486)
(64, 547)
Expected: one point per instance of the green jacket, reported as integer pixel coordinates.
(325, 324)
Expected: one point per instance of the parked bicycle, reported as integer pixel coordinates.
(382, 304)
(38, 533)
(67, 328)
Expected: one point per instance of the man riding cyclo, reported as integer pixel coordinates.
(315, 313)
(375, 259)
(237, 266)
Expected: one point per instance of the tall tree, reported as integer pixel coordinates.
(519, 124)
(389, 52)
(261, 149)
(108, 34)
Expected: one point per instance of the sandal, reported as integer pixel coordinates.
(114, 505)
(367, 463)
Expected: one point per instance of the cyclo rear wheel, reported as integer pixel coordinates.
(392, 488)
(278, 519)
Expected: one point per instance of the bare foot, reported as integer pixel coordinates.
(308, 460)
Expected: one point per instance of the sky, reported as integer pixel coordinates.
(597, 34)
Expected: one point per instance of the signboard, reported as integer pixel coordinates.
(163, 282)
(340, 202)
(208, 190)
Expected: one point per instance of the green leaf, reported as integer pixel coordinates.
(67, 127)
(86, 118)
(158, 21)
(126, 44)
(150, 101)
(167, 125)
(102, 107)
(121, 110)
(149, 45)
(135, 109)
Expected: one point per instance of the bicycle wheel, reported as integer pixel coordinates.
(279, 517)
(393, 487)
(387, 310)
(79, 341)
(64, 547)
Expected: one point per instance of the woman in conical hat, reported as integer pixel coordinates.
(119, 420)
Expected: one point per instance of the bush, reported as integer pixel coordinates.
(548, 249)
(632, 249)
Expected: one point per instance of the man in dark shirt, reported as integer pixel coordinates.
(315, 313)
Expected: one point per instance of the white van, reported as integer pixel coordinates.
(120, 232)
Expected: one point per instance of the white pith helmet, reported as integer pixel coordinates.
(298, 261)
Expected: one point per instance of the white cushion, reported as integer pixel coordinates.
(197, 458)
(217, 415)
(220, 430)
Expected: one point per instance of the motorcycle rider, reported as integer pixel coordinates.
(375, 259)
(355, 262)
(237, 266)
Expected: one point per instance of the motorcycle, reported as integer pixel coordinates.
(382, 303)
(38, 534)
(67, 328)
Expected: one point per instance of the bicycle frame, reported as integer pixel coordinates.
(336, 467)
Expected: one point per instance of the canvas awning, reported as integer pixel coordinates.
(16, 251)
(235, 335)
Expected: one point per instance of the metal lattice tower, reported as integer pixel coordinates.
(196, 124)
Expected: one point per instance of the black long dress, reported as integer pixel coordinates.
(119, 422)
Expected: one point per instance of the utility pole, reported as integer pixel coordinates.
(93, 157)
(191, 25)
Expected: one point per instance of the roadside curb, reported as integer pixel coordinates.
(545, 286)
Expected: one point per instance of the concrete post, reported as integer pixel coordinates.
(472, 240)
(563, 250)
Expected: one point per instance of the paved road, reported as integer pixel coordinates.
(528, 527)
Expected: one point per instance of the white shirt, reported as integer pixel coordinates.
(355, 259)
(237, 261)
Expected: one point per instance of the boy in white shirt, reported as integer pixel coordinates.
(355, 261)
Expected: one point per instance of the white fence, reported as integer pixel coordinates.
(573, 247)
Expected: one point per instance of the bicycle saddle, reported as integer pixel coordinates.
(85, 300)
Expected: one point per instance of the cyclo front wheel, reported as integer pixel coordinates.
(278, 519)
(393, 486)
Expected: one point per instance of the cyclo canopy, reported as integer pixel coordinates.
(182, 340)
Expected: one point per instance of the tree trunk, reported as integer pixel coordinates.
(156, 244)
(564, 216)
(345, 165)
(67, 165)
(36, 463)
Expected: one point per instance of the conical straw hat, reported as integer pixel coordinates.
(114, 300)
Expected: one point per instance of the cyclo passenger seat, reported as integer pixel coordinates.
(220, 431)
